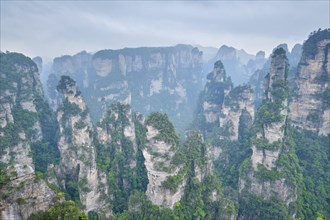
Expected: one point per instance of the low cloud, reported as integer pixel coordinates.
(49, 28)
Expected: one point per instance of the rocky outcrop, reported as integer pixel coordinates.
(211, 98)
(310, 107)
(119, 118)
(221, 106)
(202, 181)
(200, 157)
(21, 120)
(19, 86)
(263, 179)
(24, 194)
(239, 101)
(166, 180)
(78, 152)
(76, 67)
(121, 136)
(140, 77)
(258, 78)
(273, 131)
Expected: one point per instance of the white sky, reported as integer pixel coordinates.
(55, 28)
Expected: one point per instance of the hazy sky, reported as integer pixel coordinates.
(50, 28)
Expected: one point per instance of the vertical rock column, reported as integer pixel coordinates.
(166, 180)
(261, 175)
(78, 170)
(212, 98)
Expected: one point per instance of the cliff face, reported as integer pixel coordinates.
(259, 157)
(21, 128)
(24, 194)
(212, 97)
(119, 120)
(202, 182)
(121, 137)
(140, 77)
(237, 103)
(265, 178)
(274, 131)
(310, 107)
(221, 106)
(182, 175)
(258, 78)
(162, 168)
(225, 116)
(77, 172)
(75, 66)
(19, 79)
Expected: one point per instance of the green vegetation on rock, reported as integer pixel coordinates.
(172, 182)
(62, 210)
(252, 207)
(166, 130)
(310, 45)
(313, 155)
(117, 156)
(235, 95)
